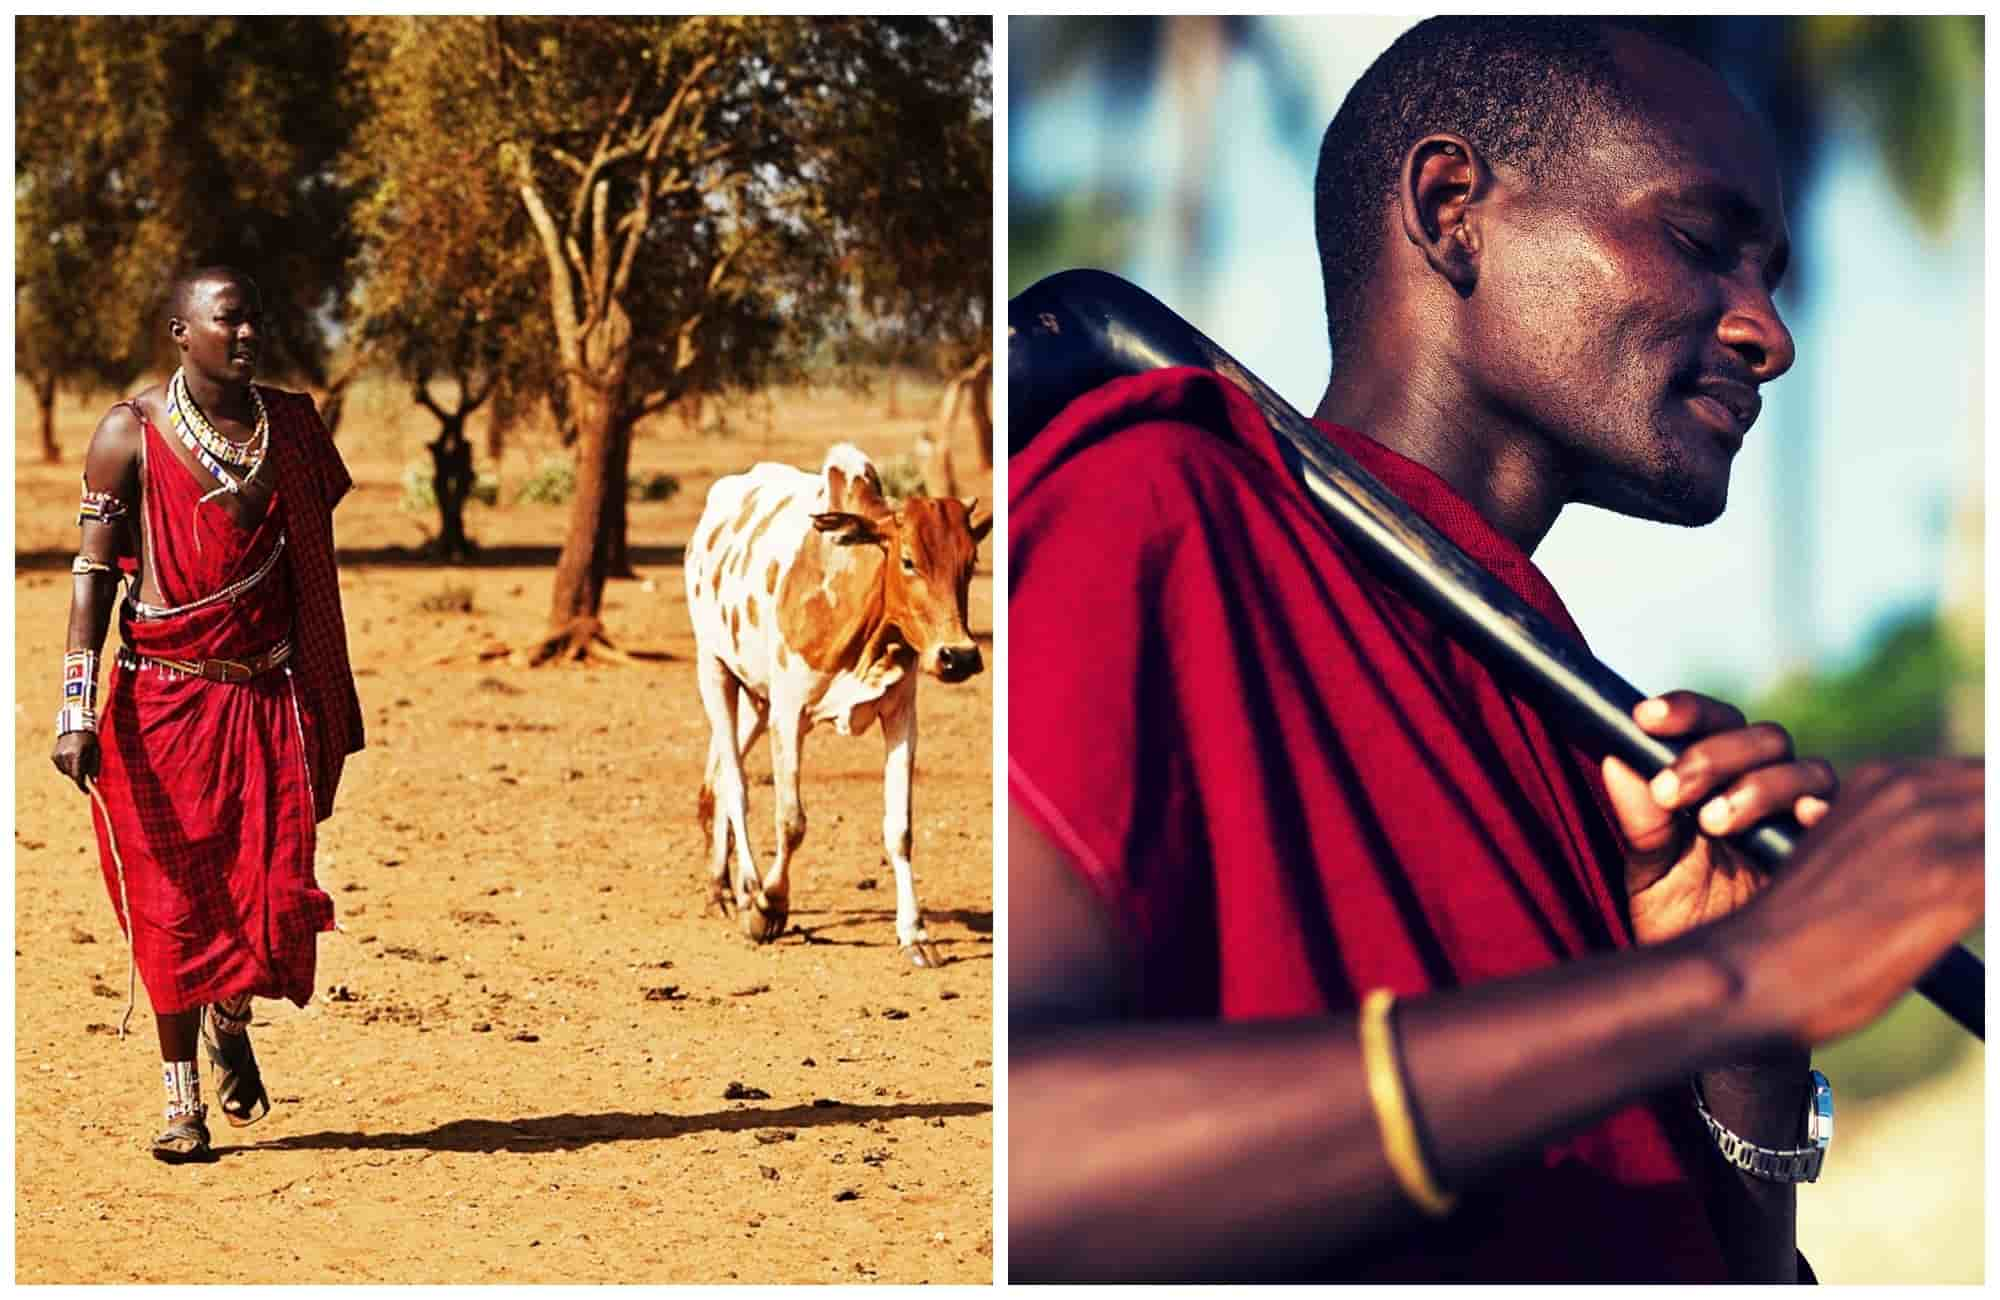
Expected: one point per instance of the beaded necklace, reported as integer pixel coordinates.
(197, 434)
(209, 447)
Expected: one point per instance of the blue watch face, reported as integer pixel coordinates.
(1819, 1124)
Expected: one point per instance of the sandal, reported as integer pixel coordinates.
(185, 1140)
(239, 1084)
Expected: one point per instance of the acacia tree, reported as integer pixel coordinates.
(914, 241)
(144, 146)
(53, 347)
(915, 236)
(684, 182)
(450, 285)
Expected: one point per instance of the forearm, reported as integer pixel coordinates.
(92, 597)
(93, 592)
(1180, 1151)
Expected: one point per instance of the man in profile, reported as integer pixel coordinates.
(1331, 956)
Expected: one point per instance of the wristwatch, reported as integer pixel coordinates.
(1799, 1165)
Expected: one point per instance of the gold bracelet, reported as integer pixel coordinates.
(1392, 1107)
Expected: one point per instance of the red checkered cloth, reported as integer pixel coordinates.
(215, 789)
(311, 481)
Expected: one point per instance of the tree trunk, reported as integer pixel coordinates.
(451, 480)
(586, 552)
(618, 563)
(45, 402)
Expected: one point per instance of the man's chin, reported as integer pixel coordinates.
(1687, 502)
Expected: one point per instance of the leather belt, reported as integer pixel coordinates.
(215, 670)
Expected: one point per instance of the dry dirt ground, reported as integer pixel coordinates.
(527, 1057)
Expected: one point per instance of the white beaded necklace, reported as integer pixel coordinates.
(197, 434)
(209, 446)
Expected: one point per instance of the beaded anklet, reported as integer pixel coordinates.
(183, 1083)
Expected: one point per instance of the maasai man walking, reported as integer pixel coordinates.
(230, 709)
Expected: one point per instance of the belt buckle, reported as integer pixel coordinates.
(225, 670)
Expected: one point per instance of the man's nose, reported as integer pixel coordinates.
(1752, 328)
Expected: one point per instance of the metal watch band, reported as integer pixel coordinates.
(1799, 1165)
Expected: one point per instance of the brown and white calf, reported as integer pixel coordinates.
(814, 602)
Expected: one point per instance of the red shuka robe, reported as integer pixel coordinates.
(1292, 787)
(215, 788)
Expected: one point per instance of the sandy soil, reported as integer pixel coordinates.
(520, 1059)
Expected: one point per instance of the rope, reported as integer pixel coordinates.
(124, 907)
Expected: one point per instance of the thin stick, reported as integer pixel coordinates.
(124, 907)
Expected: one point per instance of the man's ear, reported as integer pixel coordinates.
(1442, 180)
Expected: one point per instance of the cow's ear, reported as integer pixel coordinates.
(851, 530)
(979, 517)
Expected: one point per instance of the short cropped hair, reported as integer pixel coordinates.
(180, 294)
(1524, 92)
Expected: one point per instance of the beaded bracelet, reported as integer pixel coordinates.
(83, 566)
(74, 717)
(79, 706)
(98, 507)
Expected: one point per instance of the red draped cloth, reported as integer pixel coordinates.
(215, 789)
(1291, 787)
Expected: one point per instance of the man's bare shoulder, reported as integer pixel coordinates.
(119, 433)
(111, 462)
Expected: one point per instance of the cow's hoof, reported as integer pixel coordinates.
(923, 954)
(764, 919)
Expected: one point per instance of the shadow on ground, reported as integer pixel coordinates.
(574, 1132)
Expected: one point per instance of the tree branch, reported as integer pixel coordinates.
(562, 294)
(655, 403)
(600, 240)
(686, 352)
(600, 158)
(591, 306)
(721, 180)
(420, 388)
(568, 159)
(662, 126)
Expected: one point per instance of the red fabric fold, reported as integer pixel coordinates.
(1292, 787)
(215, 789)
(311, 481)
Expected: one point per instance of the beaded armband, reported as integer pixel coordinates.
(83, 565)
(79, 706)
(98, 507)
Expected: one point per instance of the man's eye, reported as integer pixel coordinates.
(1701, 248)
